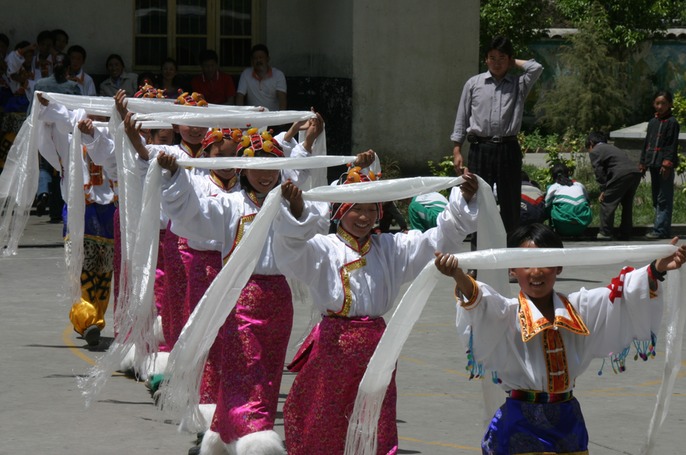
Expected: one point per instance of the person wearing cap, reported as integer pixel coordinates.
(489, 116)
(255, 336)
(88, 314)
(354, 277)
(175, 249)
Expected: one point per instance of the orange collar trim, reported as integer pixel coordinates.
(362, 248)
(566, 317)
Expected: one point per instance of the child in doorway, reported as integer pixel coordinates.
(540, 342)
(659, 156)
(354, 277)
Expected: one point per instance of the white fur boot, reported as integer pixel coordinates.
(212, 444)
(207, 412)
(259, 443)
(129, 361)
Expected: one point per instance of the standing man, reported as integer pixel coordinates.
(618, 177)
(261, 84)
(489, 117)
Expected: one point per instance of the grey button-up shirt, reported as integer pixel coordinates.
(494, 108)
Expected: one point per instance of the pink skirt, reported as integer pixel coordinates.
(255, 339)
(203, 269)
(177, 258)
(330, 365)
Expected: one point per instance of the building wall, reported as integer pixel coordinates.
(388, 75)
(409, 65)
(101, 27)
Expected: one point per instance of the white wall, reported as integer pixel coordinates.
(408, 72)
(101, 27)
(315, 35)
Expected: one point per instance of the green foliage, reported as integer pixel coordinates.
(589, 93)
(679, 109)
(443, 168)
(628, 21)
(522, 21)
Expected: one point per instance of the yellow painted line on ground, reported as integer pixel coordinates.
(440, 444)
(69, 341)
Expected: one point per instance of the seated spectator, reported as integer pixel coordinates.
(262, 85)
(566, 202)
(424, 209)
(5, 91)
(77, 57)
(169, 79)
(43, 60)
(20, 77)
(216, 86)
(118, 79)
(60, 41)
(533, 202)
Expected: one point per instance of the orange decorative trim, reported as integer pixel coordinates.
(345, 279)
(531, 328)
(362, 248)
(555, 361)
(242, 224)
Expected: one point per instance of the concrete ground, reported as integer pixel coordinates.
(43, 412)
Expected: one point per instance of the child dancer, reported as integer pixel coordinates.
(540, 342)
(88, 315)
(354, 277)
(255, 335)
(659, 156)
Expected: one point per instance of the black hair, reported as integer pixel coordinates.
(115, 57)
(45, 34)
(4, 39)
(78, 50)
(170, 60)
(525, 177)
(207, 54)
(667, 94)
(541, 235)
(259, 47)
(560, 173)
(59, 31)
(502, 44)
(595, 137)
(147, 77)
(21, 45)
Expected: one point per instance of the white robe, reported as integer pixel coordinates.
(595, 327)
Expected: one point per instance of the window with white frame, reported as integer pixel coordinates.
(181, 29)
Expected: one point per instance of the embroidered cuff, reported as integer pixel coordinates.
(471, 303)
(654, 274)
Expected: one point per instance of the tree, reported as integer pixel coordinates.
(522, 21)
(590, 91)
(629, 22)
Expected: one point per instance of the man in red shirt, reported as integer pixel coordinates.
(217, 87)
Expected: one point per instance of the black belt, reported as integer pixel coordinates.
(472, 138)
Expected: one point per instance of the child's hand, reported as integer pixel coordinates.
(132, 128)
(294, 196)
(470, 185)
(86, 126)
(120, 102)
(365, 159)
(315, 126)
(43, 100)
(167, 162)
(447, 264)
(673, 261)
